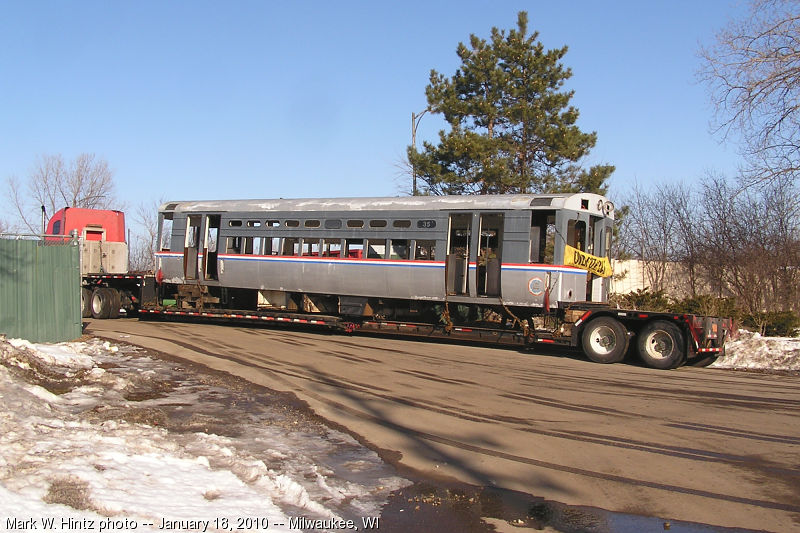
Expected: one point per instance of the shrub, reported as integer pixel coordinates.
(707, 305)
(644, 299)
(774, 323)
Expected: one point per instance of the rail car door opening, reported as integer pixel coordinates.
(490, 236)
(457, 264)
(191, 247)
(210, 247)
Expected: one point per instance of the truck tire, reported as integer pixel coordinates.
(102, 302)
(86, 302)
(116, 302)
(605, 340)
(661, 345)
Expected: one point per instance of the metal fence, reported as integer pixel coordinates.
(40, 288)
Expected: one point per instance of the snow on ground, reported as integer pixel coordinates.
(752, 351)
(105, 438)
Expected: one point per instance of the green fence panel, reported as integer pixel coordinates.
(40, 290)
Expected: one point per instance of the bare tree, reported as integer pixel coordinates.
(144, 244)
(87, 181)
(681, 203)
(651, 230)
(751, 245)
(753, 71)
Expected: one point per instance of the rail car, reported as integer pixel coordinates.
(511, 267)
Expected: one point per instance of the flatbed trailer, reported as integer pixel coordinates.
(603, 333)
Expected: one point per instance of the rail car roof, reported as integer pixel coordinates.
(596, 203)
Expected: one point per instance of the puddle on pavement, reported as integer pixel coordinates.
(454, 508)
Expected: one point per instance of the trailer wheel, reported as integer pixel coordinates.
(661, 345)
(86, 302)
(605, 340)
(102, 302)
(116, 303)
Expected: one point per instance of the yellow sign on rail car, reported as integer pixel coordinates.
(599, 266)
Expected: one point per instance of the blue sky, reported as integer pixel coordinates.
(200, 100)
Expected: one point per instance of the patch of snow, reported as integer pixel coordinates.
(752, 351)
(60, 459)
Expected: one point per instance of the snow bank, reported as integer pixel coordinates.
(60, 458)
(752, 351)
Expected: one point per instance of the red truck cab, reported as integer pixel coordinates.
(91, 224)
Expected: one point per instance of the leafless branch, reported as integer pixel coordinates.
(753, 71)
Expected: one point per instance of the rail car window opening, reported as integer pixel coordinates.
(253, 245)
(398, 249)
(424, 250)
(401, 224)
(311, 247)
(376, 248)
(233, 245)
(290, 246)
(292, 223)
(333, 224)
(543, 237)
(273, 223)
(354, 248)
(377, 223)
(355, 223)
(331, 248)
(235, 223)
(311, 223)
(166, 232)
(253, 223)
(576, 234)
(271, 246)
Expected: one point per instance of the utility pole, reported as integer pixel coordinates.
(415, 118)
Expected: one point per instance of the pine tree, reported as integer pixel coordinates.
(512, 128)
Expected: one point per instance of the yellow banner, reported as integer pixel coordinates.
(599, 266)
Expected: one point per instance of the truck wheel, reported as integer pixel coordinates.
(116, 302)
(102, 300)
(86, 302)
(661, 345)
(605, 340)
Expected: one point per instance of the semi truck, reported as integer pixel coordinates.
(108, 288)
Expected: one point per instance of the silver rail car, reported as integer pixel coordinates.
(497, 262)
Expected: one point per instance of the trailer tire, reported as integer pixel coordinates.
(102, 302)
(605, 340)
(661, 345)
(116, 303)
(86, 302)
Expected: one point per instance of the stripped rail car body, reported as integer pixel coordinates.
(496, 267)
